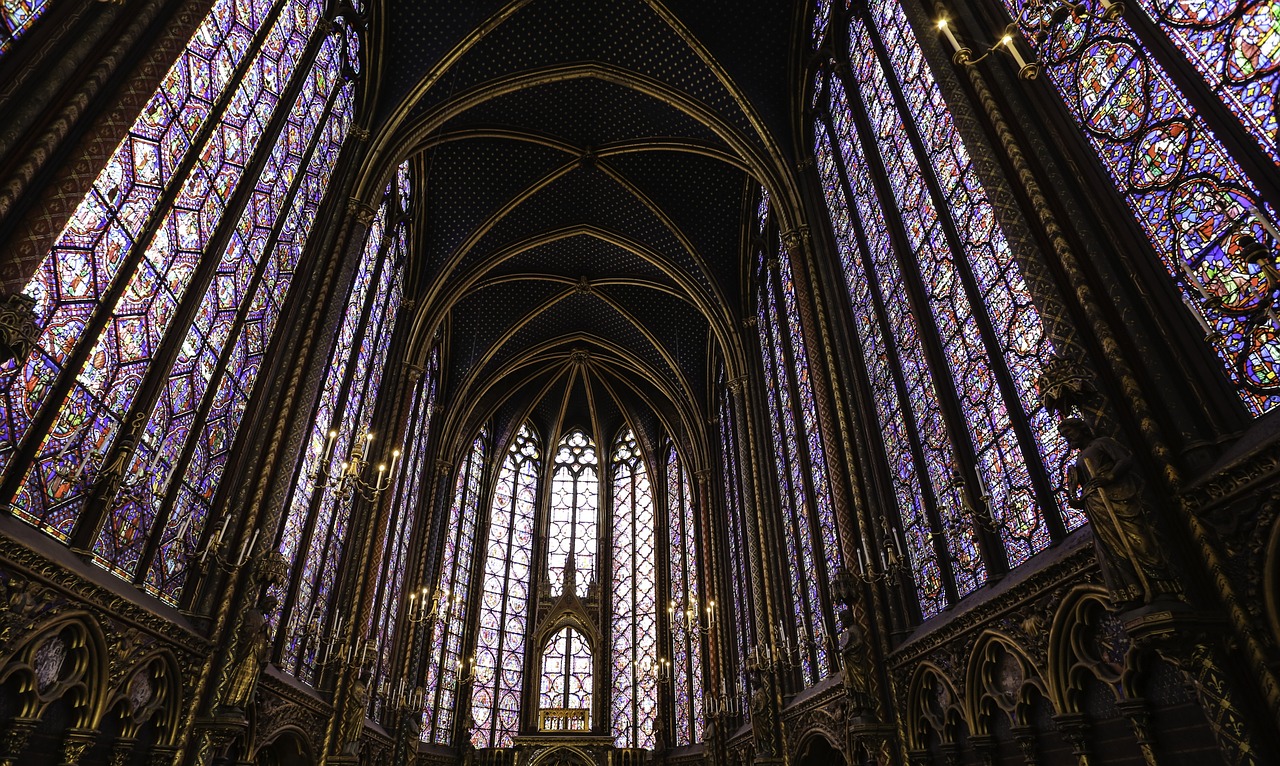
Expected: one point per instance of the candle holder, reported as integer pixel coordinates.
(691, 618)
(659, 671)
(464, 673)
(963, 55)
(350, 479)
(892, 562)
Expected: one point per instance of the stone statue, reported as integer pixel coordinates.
(761, 717)
(711, 736)
(856, 659)
(1104, 484)
(252, 651)
(352, 726)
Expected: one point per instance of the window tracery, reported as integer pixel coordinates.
(575, 490)
(808, 524)
(685, 613)
(405, 512)
(1186, 189)
(566, 672)
(635, 597)
(505, 595)
(445, 655)
(929, 268)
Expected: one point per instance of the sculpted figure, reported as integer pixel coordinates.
(253, 649)
(1104, 484)
(854, 657)
(353, 722)
(761, 730)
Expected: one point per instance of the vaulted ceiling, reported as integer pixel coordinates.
(587, 170)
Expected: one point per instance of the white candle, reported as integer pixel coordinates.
(946, 31)
(1013, 49)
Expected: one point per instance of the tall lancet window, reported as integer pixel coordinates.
(951, 340)
(566, 673)
(315, 526)
(575, 489)
(160, 299)
(445, 658)
(808, 523)
(504, 602)
(738, 563)
(687, 610)
(635, 597)
(1194, 194)
(402, 523)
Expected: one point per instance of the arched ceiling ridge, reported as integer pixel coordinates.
(617, 136)
(719, 316)
(561, 350)
(396, 141)
(697, 448)
(478, 367)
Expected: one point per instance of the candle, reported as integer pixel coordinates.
(1265, 223)
(1194, 279)
(328, 446)
(1017, 57)
(946, 31)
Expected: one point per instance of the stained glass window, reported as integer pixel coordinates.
(686, 613)
(16, 17)
(566, 672)
(504, 601)
(315, 524)
(739, 567)
(574, 498)
(201, 285)
(925, 259)
(1235, 46)
(445, 658)
(1185, 189)
(808, 524)
(404, 514)
(635, 597)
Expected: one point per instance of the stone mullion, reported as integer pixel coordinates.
(490, 467)
(364, 569)
(100, 316)
(241, 592)
(53, 202)
(414, 657)
(711, 585)
(866, 138)
(361, 573)
(824, 373)
(378, 601)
